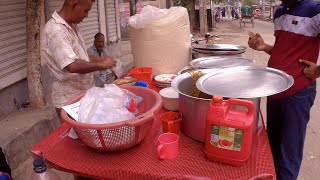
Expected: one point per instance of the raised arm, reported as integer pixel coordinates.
(83, 67)
(256, 42)
(65, 57)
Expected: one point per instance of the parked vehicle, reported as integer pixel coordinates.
(246, 11)
(257, 14)
(246, 15)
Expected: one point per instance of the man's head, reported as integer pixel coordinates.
(289, 3)
(99, 41)
(76, 10)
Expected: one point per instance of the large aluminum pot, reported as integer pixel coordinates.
(193, 109)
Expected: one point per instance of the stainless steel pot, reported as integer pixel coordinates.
(194, 110)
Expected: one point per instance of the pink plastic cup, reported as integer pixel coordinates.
(168, 144)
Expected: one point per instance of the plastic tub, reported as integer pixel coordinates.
(120, 135)
(142, 73)
(170, 98)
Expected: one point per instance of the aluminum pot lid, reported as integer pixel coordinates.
(220, 62)
(219, 53)
(245, 82)
(219, 49)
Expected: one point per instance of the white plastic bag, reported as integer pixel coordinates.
(148, 15)
(118, 69)
(107, 105)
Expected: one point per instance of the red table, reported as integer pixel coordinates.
(141, 161)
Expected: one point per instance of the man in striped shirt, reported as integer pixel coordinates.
(296, 50)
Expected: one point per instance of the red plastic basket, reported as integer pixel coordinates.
(120, 135)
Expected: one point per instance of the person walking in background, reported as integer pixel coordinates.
(228, 12)
(218, 13)
(64, 50)
(233, 12)
(295, 51)
(223, 13)
(99, 51)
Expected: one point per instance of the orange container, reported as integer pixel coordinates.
(142, 73)
(171, 122)
(229, 131)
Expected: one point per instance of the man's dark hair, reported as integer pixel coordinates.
(78, 1)
(98, 34)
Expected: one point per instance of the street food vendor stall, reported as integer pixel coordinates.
(142, 162)
(141, 159)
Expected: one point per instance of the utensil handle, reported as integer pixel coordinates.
(170, 126)
(159, 148)
(245, 103)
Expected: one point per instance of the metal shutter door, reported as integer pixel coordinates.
(112, 35)
(89, 27)
(13, 55)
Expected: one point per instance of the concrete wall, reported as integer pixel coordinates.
(13, 98)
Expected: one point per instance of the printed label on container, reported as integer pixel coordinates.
(226, 137)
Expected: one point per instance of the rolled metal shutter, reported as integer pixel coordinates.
(112, 34)
(89, 27)
(13, 55)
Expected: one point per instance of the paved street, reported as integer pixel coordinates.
(311, 164)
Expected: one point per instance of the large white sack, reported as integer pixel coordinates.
(160, 38)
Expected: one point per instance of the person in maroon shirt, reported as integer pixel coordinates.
(296, 51)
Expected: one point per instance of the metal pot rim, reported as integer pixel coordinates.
(176, 81)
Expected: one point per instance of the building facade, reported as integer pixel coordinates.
(13, 64)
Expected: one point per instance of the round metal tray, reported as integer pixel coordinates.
(245, 82)
(219, 49)
(220, 62)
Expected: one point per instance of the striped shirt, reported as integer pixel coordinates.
(297, 32)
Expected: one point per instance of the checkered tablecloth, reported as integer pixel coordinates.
(141, 161)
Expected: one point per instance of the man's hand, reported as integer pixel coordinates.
(108, 62)
(312, 70)
(256, 42)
